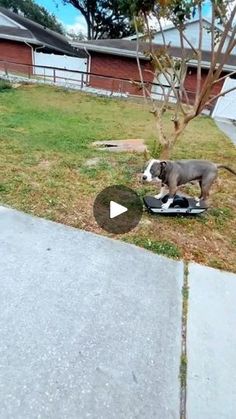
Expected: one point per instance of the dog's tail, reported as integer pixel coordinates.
(222, 166)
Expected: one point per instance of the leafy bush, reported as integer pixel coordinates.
(4, 85)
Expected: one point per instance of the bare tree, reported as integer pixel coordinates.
(222, 32)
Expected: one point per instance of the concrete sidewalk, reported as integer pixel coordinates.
(211, 344)
(92, 328)
(228, 128)
(89, 327)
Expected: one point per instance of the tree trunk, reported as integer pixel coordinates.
(88, 28)
(167, 146)
(165, 151)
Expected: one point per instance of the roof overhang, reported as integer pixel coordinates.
(33, 41)
(206, 64)
(109, 50)
(19, 39)
(132, 54)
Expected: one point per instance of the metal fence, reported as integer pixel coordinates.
(82, 80)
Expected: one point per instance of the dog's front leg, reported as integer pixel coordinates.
(163, 192)
(172, 193)
(168, 203)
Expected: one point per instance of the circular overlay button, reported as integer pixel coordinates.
(117, 209)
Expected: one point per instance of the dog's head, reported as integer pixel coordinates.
(153, 170)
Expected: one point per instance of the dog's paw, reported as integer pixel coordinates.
(165, 206)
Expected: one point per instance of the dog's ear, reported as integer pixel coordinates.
(163, 163)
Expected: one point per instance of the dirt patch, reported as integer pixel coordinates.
(16, 85)
(92, 162)
(45, 164)
(137, 145)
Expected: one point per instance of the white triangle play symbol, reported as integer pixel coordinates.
(116, 209)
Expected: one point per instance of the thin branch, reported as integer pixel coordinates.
(223, 57)
(188, 42)
(216, 57)
(219, 95)
(138, 60)
(199, 57)
(170, 82)
(224, 77)
(225, 34)
(148, 31)
(158, 84)
(158, 112)
(213, 29)
(161, 28)
(183, 66)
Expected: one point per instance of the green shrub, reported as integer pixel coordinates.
(4, 85)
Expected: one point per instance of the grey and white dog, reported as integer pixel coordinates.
(176, 173)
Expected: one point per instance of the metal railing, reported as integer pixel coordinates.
(82, 80)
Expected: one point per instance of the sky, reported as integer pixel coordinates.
(72, 19)
(68, 15)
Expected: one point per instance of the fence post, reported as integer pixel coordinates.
(5, 68)
(122, 87)
(54, 75)
(82, 81)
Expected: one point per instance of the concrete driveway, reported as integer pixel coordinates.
(228, 128)
(92, 328)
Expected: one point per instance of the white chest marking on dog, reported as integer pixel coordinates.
(148, 168)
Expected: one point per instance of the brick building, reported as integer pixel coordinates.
(113, 66)
(22, 39)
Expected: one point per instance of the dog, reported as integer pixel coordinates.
(176, 173)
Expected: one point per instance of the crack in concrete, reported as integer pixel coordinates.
(183, 360)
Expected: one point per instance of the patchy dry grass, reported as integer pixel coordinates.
(45, 136)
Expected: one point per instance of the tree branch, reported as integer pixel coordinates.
(216, 57)
(199, 57)
(183, 66)
(188, 42)
(224, 77)
(161, 29)
(219, 95)
(138, 60)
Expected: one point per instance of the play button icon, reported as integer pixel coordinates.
(117, 209)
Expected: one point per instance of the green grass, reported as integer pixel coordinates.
(45, 150)
(164, 247)
(183, 370)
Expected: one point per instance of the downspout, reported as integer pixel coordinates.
(88, 65)
(32, 53)
(42, 46)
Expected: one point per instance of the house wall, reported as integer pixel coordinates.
(18, 52)
(225, 106)
(192, 34)
(118, 67)
(191, 82)
(62, 61)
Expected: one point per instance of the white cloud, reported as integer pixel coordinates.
(78, 26)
